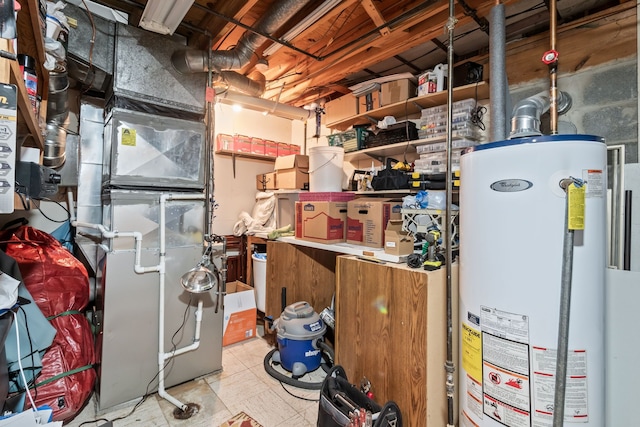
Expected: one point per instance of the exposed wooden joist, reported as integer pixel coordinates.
(376, 16)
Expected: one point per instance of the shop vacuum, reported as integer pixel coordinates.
(301, 347)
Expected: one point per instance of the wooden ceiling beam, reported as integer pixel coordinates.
(376, 16)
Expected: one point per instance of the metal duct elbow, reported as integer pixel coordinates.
(188, 61)
(525, 120)
(253, 84)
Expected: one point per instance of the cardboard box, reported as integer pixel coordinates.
(397, 91)
(340, 108)
(322, 222)
(271, 148)
(368, 102)
(266, 181)
(292, 172)
(396, 241)
(367, 219)
(225, 142)
(242, 144)
(239, 313)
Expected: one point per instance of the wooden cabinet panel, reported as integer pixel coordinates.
(308, 274)
(391, 327)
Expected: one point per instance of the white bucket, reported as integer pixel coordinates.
(325, 168)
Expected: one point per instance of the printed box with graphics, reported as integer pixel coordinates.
(367, 219)
(320, 221)
(239, 313)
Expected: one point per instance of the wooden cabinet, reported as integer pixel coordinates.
(236, 258)
(298, 273)
(391, 326)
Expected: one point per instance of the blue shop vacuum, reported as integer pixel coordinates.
(301, 347)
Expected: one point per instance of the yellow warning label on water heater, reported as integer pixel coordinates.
(472, 352)
(575, 209)
(128, 137)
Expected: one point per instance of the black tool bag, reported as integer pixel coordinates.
(338, 397)
(390, 179)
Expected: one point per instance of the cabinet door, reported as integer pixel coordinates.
(391, 328)
(305, 274)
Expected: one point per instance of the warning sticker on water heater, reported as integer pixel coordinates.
(544, 369)
(594, 182)
(505, 367)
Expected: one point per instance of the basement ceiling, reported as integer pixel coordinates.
(356, 40)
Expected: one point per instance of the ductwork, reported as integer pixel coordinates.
(525, 120)
(253, 85)
(197, 61)
(57, 114)
(265, 105)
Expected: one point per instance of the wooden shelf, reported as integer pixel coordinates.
(27, 122)
(413, 105)
(246, 155)
(391, 150)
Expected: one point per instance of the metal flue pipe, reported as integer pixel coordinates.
(497, 42)
(449, 364)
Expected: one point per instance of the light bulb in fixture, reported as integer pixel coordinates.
(236, 107)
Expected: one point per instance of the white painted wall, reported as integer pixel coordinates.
(235, 194)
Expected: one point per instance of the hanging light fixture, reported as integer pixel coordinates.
(200, 278)
(163, 16)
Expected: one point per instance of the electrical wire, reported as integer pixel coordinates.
(146, 394)
(49, 218)
(31, 354)
(24, 378)
(478, 112)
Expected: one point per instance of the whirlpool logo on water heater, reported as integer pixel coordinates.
(511, 185)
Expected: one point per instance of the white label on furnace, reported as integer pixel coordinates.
(576, 395)
(595, 182)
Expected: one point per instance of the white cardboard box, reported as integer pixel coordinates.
(239, 313)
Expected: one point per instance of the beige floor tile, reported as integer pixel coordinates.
(237, 387)
(267, 408)
(243, 385)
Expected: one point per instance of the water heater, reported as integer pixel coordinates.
(512, 226)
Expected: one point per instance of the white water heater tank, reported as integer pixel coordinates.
(512, 226)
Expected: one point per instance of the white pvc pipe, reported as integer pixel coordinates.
(162, 356)
(160, 268)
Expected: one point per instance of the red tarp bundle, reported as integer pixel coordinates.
(59, 285)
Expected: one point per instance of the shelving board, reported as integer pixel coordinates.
(246, 155)
(390, 150)
(346, 248)
(413, 105)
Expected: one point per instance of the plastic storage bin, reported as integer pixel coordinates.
(260, 278)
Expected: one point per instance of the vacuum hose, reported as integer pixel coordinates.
(326, 349)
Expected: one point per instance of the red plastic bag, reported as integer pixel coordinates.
(59, 284)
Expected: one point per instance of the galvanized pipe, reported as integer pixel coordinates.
(497, 51)
(449, 364)
(563, 318)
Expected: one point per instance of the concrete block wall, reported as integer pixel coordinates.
(605, 102)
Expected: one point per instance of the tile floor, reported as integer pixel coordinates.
(243, 385)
